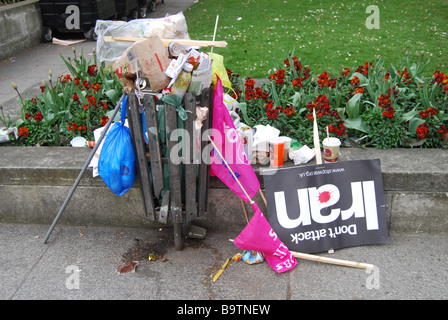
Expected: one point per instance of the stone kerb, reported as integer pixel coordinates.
(34, 182)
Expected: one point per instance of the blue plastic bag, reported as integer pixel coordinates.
(117, 165)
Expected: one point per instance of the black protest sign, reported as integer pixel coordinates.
(315, 208)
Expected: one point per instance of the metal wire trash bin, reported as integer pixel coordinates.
(174, 185)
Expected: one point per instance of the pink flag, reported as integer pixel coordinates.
(226, 139)
(258, 235)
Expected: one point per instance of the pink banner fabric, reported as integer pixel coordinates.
(226, 139)
(258, 235)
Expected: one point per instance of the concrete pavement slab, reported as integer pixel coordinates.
(81, 263)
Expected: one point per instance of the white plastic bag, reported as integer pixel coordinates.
(169, 27)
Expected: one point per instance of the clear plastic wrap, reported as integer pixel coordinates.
(169, 27)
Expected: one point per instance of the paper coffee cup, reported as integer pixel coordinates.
(276, 152)
(331, 149)
(287, 141)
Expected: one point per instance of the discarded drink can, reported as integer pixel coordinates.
(141, 83)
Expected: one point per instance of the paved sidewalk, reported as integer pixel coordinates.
(80, 263)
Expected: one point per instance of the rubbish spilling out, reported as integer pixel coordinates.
(179, 125)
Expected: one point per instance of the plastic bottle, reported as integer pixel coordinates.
(180, 86)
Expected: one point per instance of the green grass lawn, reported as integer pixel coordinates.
(327, 35)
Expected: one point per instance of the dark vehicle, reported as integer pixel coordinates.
(147, 5)
(126, 9)
(74, 16)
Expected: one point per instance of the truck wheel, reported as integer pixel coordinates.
(47, 34)
(152, 6)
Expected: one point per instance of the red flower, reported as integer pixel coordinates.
(331, 83)
(38, 117)
(104, 104)
(27, 116)
(389, 112)
(405, 75)
(269, 105)
(443, 131)
(339, 129)
(355, 81)
(359, 90)
(92, 70)
(86, 84)
(104, 120)
(364, 69)
(96, 87)
(77, 80)
(428, 113)
(65, 79)
(345, 72)
(85, 106)
(72, 126)
(272, 113)
(42, 88)
(310, 117)
(297, 83)
(92, 100)
(278, 77)
(289, 111)
(422, 131)
(23, 131)
(75, 97)
(249, 83)
(323, 78)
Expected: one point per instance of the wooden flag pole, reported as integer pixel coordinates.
(186, 42)
(316, 139)
(230, 169)
(340, 262)
(345, 263)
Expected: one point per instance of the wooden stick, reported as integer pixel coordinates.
(186, 42)
(263, 197)
(230, 169)
(316, 139)
(214, 34)
(340, 262)
(244, 209)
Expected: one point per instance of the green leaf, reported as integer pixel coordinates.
(414, 123)
(113, 96)
(243, 108)
(409, 115)
(356, 124)
(354, 106)
(81, 95)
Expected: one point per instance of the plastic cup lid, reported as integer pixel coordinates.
(78, 142)
(332, 141)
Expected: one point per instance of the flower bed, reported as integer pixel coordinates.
(73, 105)
(369, 106)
